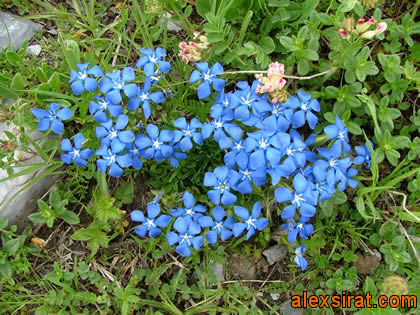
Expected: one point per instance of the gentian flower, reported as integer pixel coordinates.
(295, 228)
(339, 132)
(52, 117)
(103, 104)
(195, 211)
(135, 154)
(283, 115)
(114, 159)
(188, 230)
(187, 132)
(322, 188)
(176, 155)
(82, 81)
(227, 100)
(249, 100)
(304, 106)
(114, 82)
(277, 171)
(247, 174)
(143, 96)
(349, 181)
(152, 58)
(334, 169)
(218, 226)
(237, 146)
(252, 222)
(363, 155)
(75, 153)
(296, 152)
(208, 76)
(115, 135)
(222, 179)
(152, 223)
(155, 147)
(267, 145)
(302, 198)
(299, 260)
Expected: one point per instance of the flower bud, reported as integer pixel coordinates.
(348, 24)
(368, 34)
(361, 20)
(342, 32)
(381, 27)
(371, 21)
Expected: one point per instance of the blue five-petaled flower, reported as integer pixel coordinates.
(208, 77)
(75, 154)
(52, 117)
(152, 58)
(188, 235)
(251, 222)
(152, 223)
(81, 80)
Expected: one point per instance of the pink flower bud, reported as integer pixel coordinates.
(280, 84)
(182, 45)
(274, 100)
(372, 21)
(269, 88)
(342, 32)
(381, 27)
(361, 20)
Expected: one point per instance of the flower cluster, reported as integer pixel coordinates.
(192, 51)
(267, 141)
(361, 28)
(190, 221)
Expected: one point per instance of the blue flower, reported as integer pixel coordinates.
(295, 228)
(188, 230)
(218, 226)
(304, 106)
(113, 159)
(322, 188)
(195, 211)
(155, 147)
(277, 171)
(227, 100)
(52, 117)
(237, 146)
(334, 169)
(348, 181)
(82, 81)
(114, 82)
(252, 222)
(249, 100)
(363, 155)
(102, 105)
(144, 97)
(151, 58)
(152, 223)
(299, 260)
(208, 76)
(135, 154)
(114, 135)
(283, 115)
(75, 154)
(176, 155)
(222, 179)
(339, 132)
(248, 174)
(266, 145)
(296, 152)
(302, 198)
(187, 132)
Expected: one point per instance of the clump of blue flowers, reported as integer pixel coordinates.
(265, 143)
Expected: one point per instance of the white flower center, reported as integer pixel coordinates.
(135, 151)
(83, 75)
(75, 153)
(207, 76)
(247, 101)
(367, 157)
(150, 223)
(276, 110)
(246, 174)
(156, 144)
(250, 222)
(218, 124)
(104, 105)
(341, 135)
(186, 238)
(238, 146)
(263, 144)
(152, 59)
(189, 211)
(222, 187)
(298, 198)
(143, 96)
(300, 226)
(111, 159)
(187, 132)
(289, 151)
(304, 106)
(218, 226)
(112, 134)
(332, 163)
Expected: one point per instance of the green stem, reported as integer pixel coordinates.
(102, 184)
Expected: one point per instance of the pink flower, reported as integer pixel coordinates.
(343, 33)
(372, 21)
(381, 27)
(280, 83)
(361, 20)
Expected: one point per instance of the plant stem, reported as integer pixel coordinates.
(286, 75)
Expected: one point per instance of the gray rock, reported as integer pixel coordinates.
(34, 50)
(275, 253)
(14, 32)
(219, 271)
(172, 27)
(17, 208)
(286, 308)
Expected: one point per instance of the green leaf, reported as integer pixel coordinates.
(287, 42)
(12, 246)
(125, 193)
(70, 217)
(6, 270)
(310, 54)
(308, 8)
(404, 216)
(37, 218)
(71, 53)
(18, 82)
(8, 93)
(267, 44)
(303, 67)
(13, 58)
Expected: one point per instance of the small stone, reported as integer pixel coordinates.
(14, 31)
(286, 308)
(172, 27)
(219, 271)
(275, 296)
(275, 253)
(34, 50)
(366, 264)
